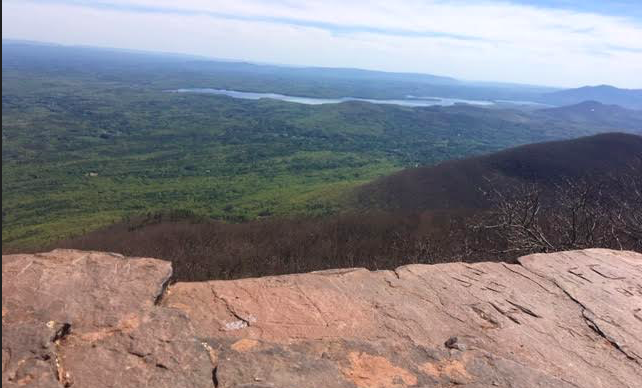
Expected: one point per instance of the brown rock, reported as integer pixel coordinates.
(86, 319)
(607, 286)
(367, 371)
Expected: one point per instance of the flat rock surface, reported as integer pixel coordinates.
(89, 319)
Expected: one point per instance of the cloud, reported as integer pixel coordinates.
(483, 40)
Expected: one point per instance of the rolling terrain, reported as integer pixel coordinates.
(418, 215)
(593, 114)
(90, 136)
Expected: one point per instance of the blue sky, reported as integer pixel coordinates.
(561, 43)
(628, 8)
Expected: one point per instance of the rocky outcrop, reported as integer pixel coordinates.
(88, 319)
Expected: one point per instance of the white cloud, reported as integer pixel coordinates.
(483, 40)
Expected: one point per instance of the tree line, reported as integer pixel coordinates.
(565, 214)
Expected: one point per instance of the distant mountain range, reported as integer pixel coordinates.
(593, 113)
(630, 98)
(303, 81)
(457, 184)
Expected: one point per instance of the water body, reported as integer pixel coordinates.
(517, 102)
(409, 101)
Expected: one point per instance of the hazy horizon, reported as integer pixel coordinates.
(535, 42)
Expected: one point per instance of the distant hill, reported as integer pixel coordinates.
(593, 113)
(360, 74)
(629, 98)
(20, 51)
(170, 71)
(456, 184)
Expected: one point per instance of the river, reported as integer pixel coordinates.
(410, 101)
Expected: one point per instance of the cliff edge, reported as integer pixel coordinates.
(90, 319)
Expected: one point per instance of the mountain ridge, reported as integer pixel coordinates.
(606, 94)
(458, 183)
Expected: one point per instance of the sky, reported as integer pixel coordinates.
(565, 43)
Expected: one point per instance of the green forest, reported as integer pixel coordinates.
(84, 149)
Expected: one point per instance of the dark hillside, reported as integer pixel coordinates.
(203, 249)
(598, 204)
(457, 184)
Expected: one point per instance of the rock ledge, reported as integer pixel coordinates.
(90, 319)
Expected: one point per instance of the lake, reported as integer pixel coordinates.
(410, 101)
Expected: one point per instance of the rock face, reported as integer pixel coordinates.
(88, 319)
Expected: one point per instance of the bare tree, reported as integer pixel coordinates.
(513, 224)
(625, 213)
(571, 213)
